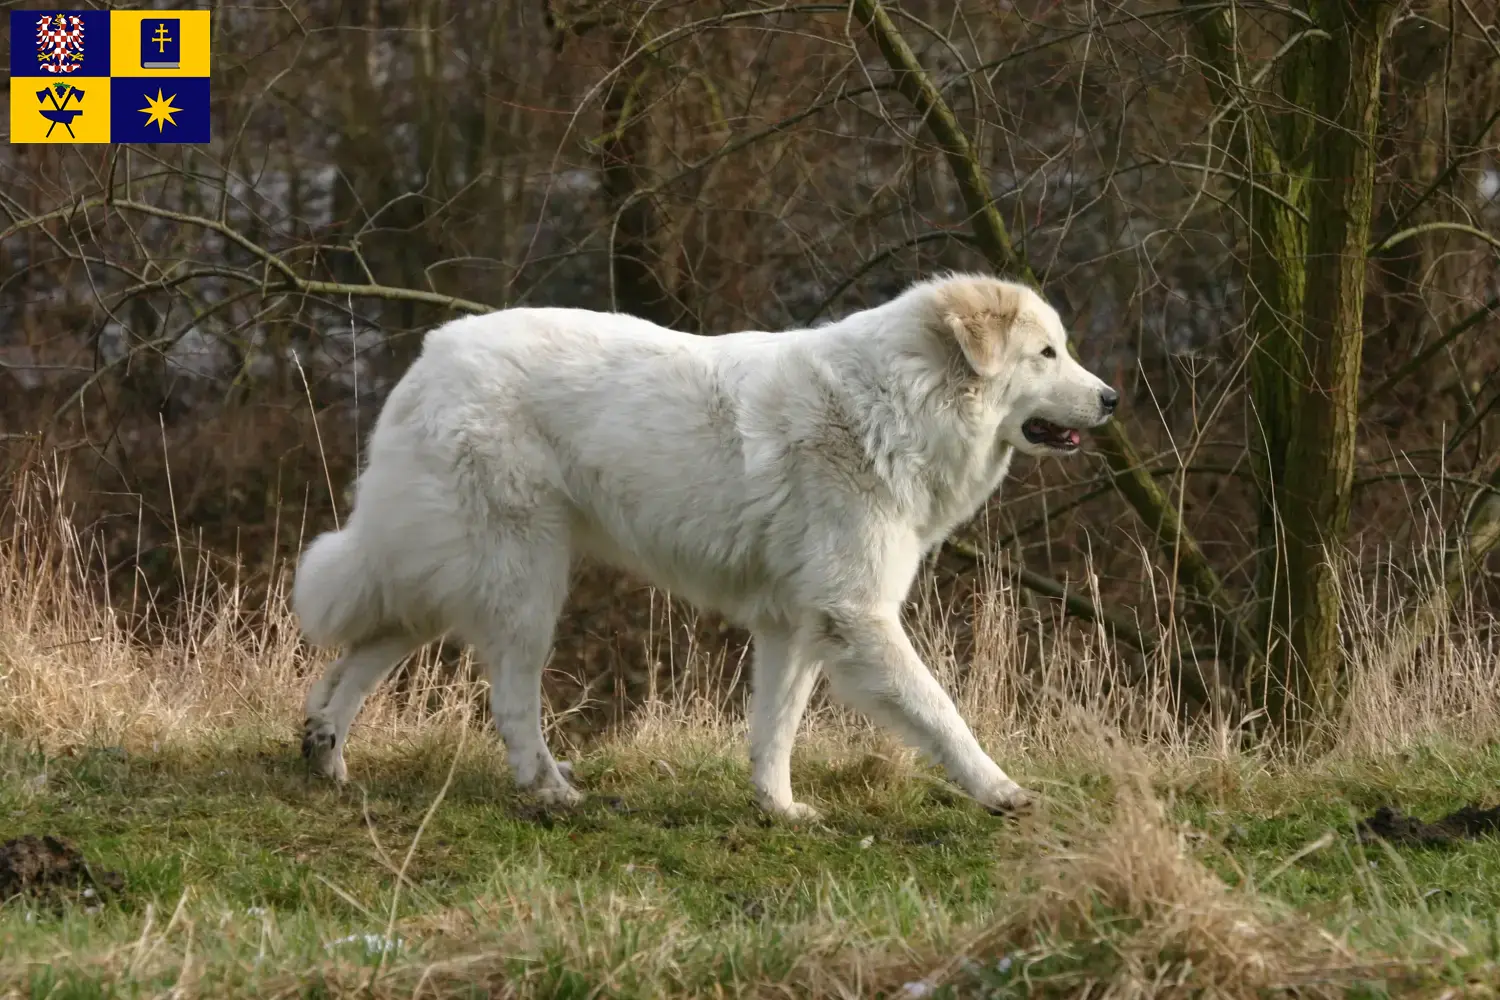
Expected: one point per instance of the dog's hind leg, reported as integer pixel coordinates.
(781, 681)
(873, 667)
(335, 699)
(514, 643)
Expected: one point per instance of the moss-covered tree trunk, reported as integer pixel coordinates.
(1307, 150)
(1344, 86)
(1276, 203)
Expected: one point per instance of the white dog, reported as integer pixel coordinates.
(791, 481)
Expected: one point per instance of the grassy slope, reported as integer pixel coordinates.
(1160, 863)
(242, 874)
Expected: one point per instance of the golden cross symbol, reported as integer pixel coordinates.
(161, 38)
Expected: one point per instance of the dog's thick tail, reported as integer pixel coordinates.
(335, 594)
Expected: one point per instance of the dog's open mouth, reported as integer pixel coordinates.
(1039, 431)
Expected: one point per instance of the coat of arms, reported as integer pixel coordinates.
(59, 42)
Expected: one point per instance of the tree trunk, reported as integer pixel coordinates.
(1273, 150)
(1309, 160)
(1344, 86)
(1276, 203)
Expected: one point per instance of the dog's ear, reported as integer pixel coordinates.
(978, 315)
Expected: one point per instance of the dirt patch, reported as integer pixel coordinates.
(1392, 825)
(53, 871)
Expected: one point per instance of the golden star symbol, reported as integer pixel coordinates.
(160, 110)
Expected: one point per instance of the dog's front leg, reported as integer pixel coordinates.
(873, 667)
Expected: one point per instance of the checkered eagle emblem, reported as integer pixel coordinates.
(59, 43)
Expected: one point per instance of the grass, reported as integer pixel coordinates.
(243, 875)
(1162, 862)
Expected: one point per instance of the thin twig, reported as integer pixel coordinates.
(1490, 307)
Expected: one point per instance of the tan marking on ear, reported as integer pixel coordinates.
(979, 313)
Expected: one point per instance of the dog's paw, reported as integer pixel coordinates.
(793, 812)
(1009, 799)
(566, 770)
(321, 750)
(563, 796)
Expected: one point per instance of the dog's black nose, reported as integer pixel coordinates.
(1108, 399)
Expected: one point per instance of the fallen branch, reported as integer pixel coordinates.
(1126, 630)
(1120, 627)
(1099, 489)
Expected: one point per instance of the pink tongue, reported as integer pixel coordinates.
(1073, 437)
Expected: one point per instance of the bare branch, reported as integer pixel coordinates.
(993, 239)
(290, 280)
(1426, 354)
(1396, 239)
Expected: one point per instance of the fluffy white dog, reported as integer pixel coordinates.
(791, 481)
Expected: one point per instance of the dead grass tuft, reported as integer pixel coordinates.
(1125, 908)
(1182, 926)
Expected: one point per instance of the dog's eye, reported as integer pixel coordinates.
(1048, 352)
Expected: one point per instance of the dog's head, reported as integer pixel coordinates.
(1014, 342)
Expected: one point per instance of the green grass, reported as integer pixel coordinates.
(243, 874)
(1273, 818)
(245, 831)
(252, 824)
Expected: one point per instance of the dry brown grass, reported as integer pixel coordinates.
(1132, 886)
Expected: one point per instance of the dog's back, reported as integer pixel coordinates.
(604, 434)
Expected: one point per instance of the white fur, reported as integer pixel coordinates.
(792, 481)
